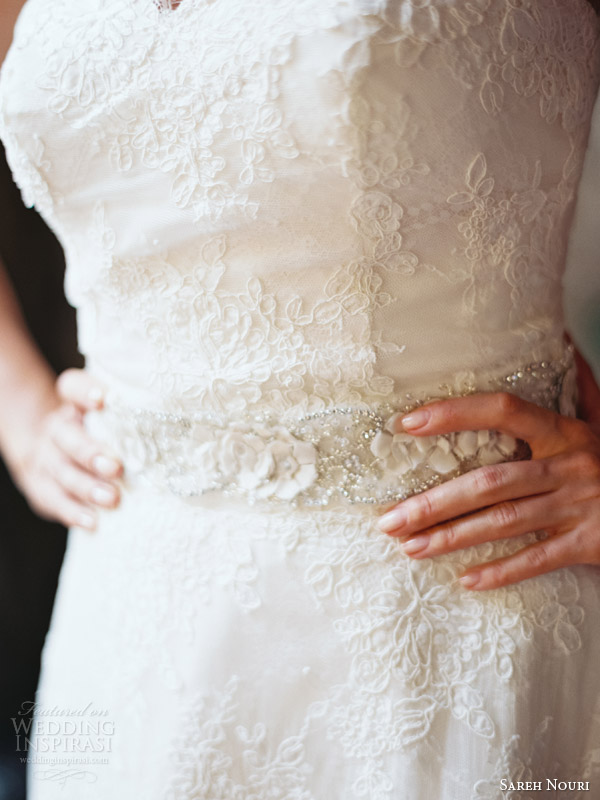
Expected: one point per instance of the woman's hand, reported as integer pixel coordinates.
(557, 491)
(64, 474)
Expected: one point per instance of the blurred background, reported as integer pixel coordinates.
(31, 550)
(582, 277)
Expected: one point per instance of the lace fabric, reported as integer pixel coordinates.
(447, 251)
(298, 211)
(350, 454)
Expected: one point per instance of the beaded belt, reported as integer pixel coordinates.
(347, 453)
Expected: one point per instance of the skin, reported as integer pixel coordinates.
(557, 491)
(9, 10)
(68, 476)
(64, 474)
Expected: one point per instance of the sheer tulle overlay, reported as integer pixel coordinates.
(284, 222)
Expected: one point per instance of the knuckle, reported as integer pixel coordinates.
(585, 546)
(537, 556)
(490, 478)
(449, 535)
(545, 470)
(423, 509)
(585, 463)
(505, 515)
(496, 574)
(507, 403)
(582, 545)
(574, 429)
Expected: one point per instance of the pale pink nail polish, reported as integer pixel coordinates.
(470, 580)
(392, 520)
(416, 545)
(103, 495)
(105, 466)
(416, 419)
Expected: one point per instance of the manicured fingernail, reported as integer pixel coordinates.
(416, 419)
(416, 544)
(393, 519)
(103, 495)
(470, 580)
(106, 466)
(86, 521)
(95, 396)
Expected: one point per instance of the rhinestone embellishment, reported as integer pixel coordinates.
(353, 454)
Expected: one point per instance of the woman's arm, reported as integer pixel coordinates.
(61, 470)
(9, 11)
(27, 383)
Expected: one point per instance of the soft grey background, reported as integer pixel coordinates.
(582, 279)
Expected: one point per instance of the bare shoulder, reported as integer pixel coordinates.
(9, 11)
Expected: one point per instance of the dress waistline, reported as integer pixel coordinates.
(344, 453)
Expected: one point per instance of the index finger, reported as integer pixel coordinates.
(480, 488)
(542, 429)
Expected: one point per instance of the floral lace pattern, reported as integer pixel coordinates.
(288, 210)
(383, 656)
(241, 283)
(276, 775)
(352, 454)
(521, 776)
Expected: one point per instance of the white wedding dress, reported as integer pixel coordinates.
(284, 221)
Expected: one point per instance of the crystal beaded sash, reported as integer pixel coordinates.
(347, 453)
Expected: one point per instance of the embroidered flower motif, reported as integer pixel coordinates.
(287, 466)
(236, 454)
(259, 290)
(263, 463)
(414, 19)
(89, 62)
(422, 22)
(376, 214)
(538, 58)
(401, 452)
